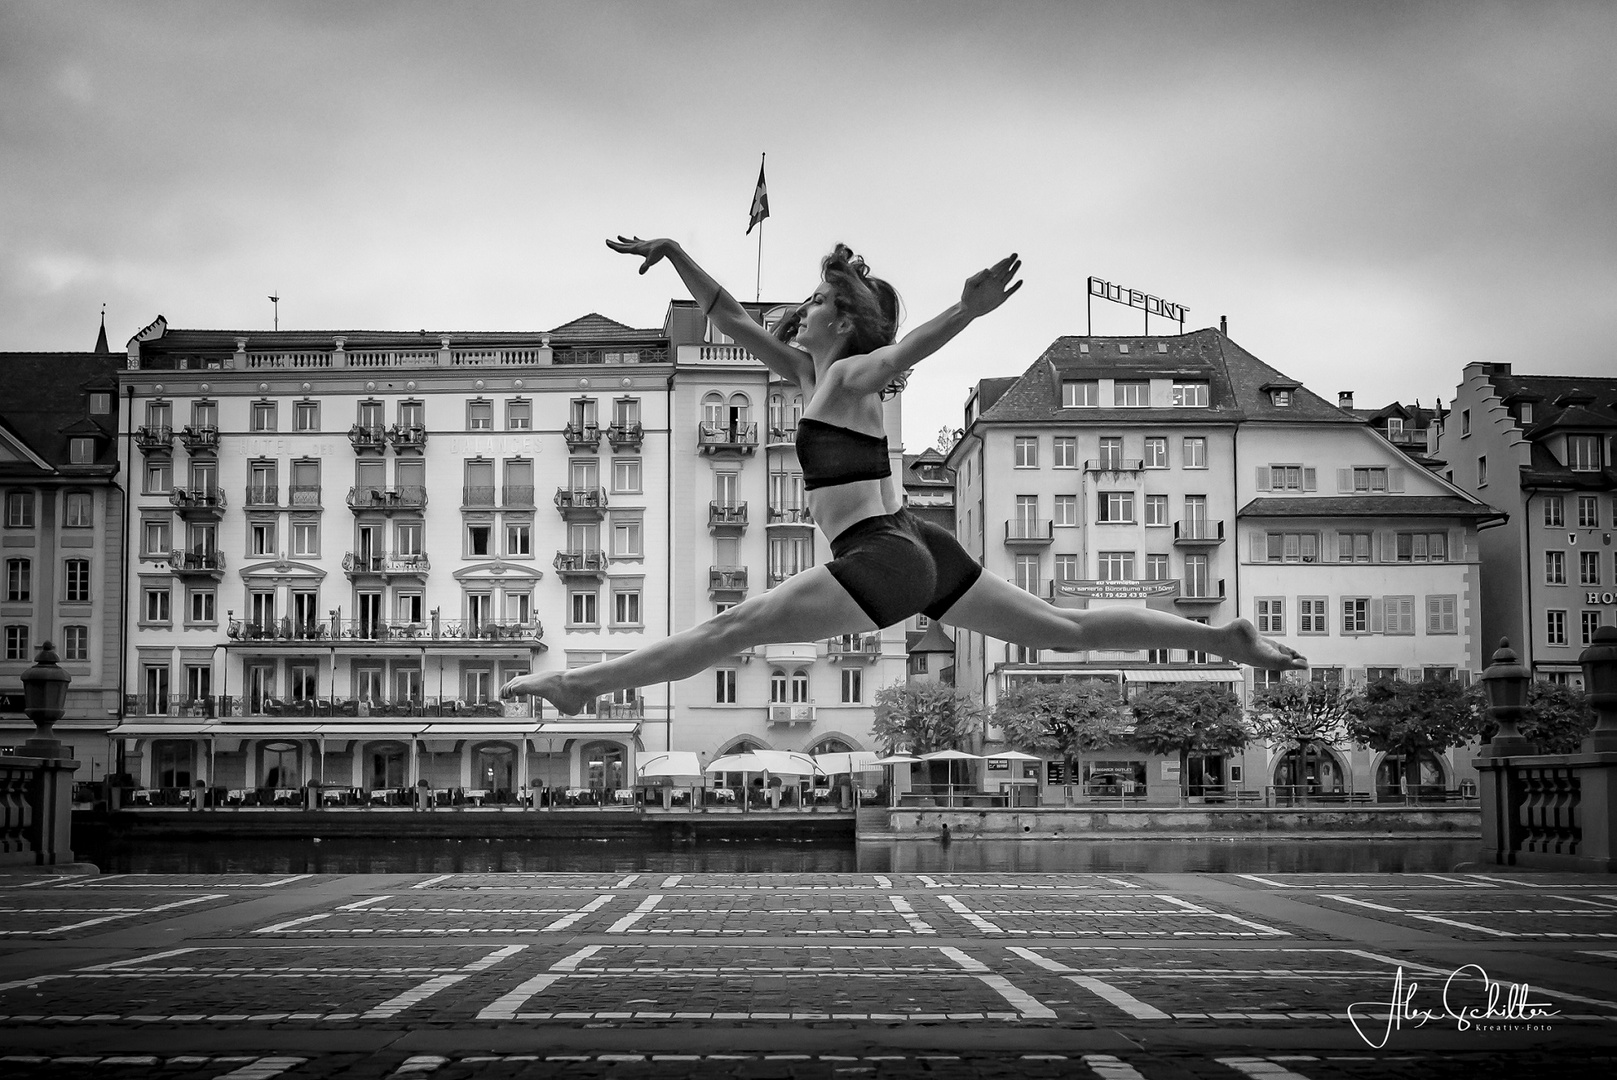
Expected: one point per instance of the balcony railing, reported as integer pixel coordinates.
(642, 355)
(222, 705)
(854, 647)
(407, 438)
(1029, 531)
(582, 437)
(790, 515)
(1198, 531)
(717, 438)
(366, 437)
(726, 518)
(591, 561)
(155, 438)
(581, 502)
(1200, 592)
(782, 434)
(199, 500)
(203, 439)
(440, 631)
(303, 495)
(791, 714)
(1113, 464)
(204, 563)
(517, 495)
(477, 495)
(625, 436)
(262, 495)
(726, 580)
(357, 565)
(409, 497)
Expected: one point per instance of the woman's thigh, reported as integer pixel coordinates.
(998, 609)
(811, 605)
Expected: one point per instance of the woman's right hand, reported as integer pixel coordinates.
(653, 251)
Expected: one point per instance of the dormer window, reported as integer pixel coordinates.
(1280, 392)
(100, 403)
(1395, 426)
(1190, 395)
(1280, 399)
(1527, 412)
(1583, 453)
(81, 450)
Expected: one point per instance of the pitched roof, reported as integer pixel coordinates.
(1371, 506)
(1547, 392)
(597, 327)
(1543, 470)
(593, 327)
(45, 406)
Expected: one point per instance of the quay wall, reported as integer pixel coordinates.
(1144, 823)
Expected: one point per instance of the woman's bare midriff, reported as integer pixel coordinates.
(836, 508)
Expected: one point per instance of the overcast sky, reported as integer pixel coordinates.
(1374, 193)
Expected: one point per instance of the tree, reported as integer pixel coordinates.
(1557, 718)
(1408, 719)
(1186, 717)
(1067, 718)
(923, 717)
(947, 437)
(1302, 714)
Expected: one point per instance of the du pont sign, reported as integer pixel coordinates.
(1134, 298)
(1116, 590)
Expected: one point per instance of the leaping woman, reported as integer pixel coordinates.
(841, 350)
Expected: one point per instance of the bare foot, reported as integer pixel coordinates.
(550, 686)
(1247, 646)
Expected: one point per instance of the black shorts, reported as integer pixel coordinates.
(897, 565)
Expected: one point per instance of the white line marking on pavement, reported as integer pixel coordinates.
(430, 882)
(567, 920)
(883, 881)
(1445, 877)
(357, 904)
(671, 880)
(571, 961)
(144, 959)
(294, 922)
(1041, 961)
(1108, 1067)
(646, 907)
(506, 1005)
(1023, 1002)
(421, 1063)
(970, 916)
(929, 881)
(1118, 997)
(626, 882)
(967, 963)
(1580, 900)
(393, 1006)
(123, 914)
(262, 1069)
(1259, 1067)
(1120, 883)
(1236, 919)
(916, 923)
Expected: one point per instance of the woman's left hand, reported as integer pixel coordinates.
(987, 289)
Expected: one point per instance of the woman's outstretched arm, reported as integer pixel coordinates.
(984, 291)
(719, 306)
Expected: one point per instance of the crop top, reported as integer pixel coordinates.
(831, 454)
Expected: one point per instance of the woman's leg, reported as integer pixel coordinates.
(809, 606)
(995, 607)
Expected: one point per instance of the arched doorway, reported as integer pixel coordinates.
(387, 767)
(1400, 778)
(603, 766)
(282, 767)
(1314, 769)
(496, 771)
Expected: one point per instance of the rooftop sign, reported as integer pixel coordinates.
(1151, 305)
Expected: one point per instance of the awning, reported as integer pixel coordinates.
(1225, 675)
(585, 727)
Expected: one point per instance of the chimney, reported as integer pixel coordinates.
(1224, 325)
(1344, 399)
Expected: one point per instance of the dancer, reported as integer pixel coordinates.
(841, 349)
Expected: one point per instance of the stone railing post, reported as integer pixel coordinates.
(1498, 788)
(1599, 662)
(1597, 764)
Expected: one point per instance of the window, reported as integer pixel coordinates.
(1380, 674)
(724, 686)
(1525, 411)
(158, 476)
(76, 579)
(1195, 452)
(1190, 395)
(1027, 573)
(1423, 547)
(20, 510)
(1311, 615)
(1131, 394)
(800, 686)
(1156, 509)
(1027, 452)
(1399, 614)
(155, 607)
(154, 538)
(1116, 565)
(1465, 421)
(480, 415)
(1440, 615)
(159, 414)
(1156, 452)
(1114, 507)
(1353, 547)
(1355, 615)
(518, 607)
(1292, 547)
(626, 475)
(1080, 394)
(519, 415)
(1589, 623)
(1066, 570)
(626, 538)
(626, 607)
(78, 510)
(1370, 478)
(100, 403)
(1555, 628)
(1111, 453)
(261, 538)
(581, 609)
(1588, 512)
(263, 416)
(1588, 568)
(1482, 471)
(1271, 615)
(1583, 453)
(518, 538)
(1064, 452)
(626, 411)
(1554, 511)
(407, 538)
(1285, 477)
(1156, 568)
(1555, 568)
(852, 686)
(1280, 399)
(201, 607)
(1196, 582)
(306, 416)
(17, 642)
(413, 414)
(1066, 510)
(19, 580)
(306, 538)
(75, 642)
(81, 450)
(477, 538)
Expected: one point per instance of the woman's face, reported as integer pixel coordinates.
(819, 324)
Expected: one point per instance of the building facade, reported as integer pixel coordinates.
(1540, 447)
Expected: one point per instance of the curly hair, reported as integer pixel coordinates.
(867, 301)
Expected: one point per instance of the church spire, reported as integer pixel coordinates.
(101, 338)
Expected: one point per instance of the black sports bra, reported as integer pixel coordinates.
(831, 454)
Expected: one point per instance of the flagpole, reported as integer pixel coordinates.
(758, 283)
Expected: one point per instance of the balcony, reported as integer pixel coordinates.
(387, 500)
(208, 564)
(585, 564)
(1196, 532)
(384, 566)
(202, 439)
(261, 495)
(198, 503)
(369, 632)
(582, 438)
(779, 575)
(581, 504)
(731, 439)
(477, 496)
(1029, 532)
(155, 440)
(791, 715)
(517, 496)
(728, 583)
(790, 515)
(406, 438)
(368, 437)
(857, 647)
(221, 705)
(790, 652)
(625, 436)
(607, 709)
(782, 435)
(726, 520)
(306, 496)
(1113, 465)
(1197, 594)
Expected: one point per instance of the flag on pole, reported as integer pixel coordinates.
(760, 200)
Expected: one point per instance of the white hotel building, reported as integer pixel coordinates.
(343, 543)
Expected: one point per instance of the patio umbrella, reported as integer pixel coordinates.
(896, 759)
(675, 764)
(950, 756)
(1013, 755)
(851, 762)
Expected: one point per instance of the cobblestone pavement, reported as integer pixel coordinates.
(1117, 976)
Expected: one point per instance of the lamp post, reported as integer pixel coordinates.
(1599, 662)
(44, 689)
(1506, 681)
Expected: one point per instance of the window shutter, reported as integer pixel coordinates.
(1378, 617)
(1260, 546)
(1457, 552)
(1395, 480)
(1389, 547)
(1263, 478)
(1344, 481)
(1310, 479)
(1464, 675)
(1434, 614)
(1450, 617)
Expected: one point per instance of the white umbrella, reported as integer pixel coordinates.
(676, 764)
(747, 762)
(850, 762)
(1012, 755)
(896, 759)
(950, 755)
(779, 762)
